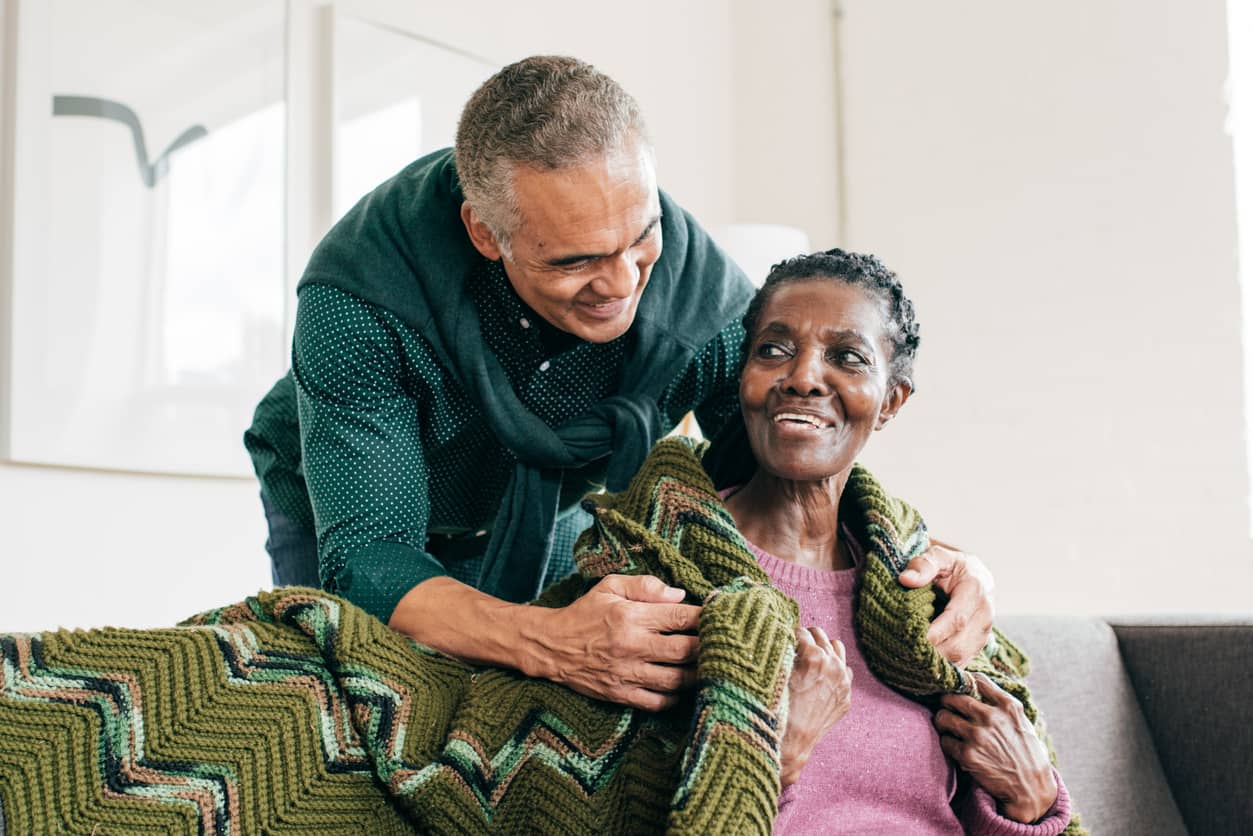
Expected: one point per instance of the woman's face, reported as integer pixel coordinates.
(816, 381)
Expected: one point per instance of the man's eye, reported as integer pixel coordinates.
(770, 350)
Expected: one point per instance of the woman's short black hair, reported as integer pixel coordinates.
(864, 271)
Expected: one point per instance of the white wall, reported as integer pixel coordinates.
(1055, 185)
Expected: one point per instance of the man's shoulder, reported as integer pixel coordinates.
(403, 246)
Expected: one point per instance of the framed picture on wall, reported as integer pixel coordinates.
(146, 283)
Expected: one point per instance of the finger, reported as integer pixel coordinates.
(821, 639)
(963, 705)
(919, 572)
(839, 650)
(990, 692)
(648, 700)
(954, 748)
(953, 724)
(644, 588)
(946, 631)
(667, 679)
(673, 649)
(958, 639)
(804, 636)
(669, 618)
(963, 628)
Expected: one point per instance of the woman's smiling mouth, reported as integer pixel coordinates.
(800, 419)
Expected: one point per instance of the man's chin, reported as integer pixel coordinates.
(598, 330)
(601, 333)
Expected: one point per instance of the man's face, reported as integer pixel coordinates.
(588, 239)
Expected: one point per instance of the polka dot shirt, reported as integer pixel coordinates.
(394, 452)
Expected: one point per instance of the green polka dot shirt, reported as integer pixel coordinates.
(371, 441)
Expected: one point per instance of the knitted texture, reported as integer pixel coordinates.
(295, 711)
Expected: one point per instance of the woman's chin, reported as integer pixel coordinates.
(803, 470)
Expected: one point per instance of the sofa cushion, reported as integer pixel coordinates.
(1194, 679)
(1104, 749)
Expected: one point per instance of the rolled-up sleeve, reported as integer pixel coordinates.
(362, 451)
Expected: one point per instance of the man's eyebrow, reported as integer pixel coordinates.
(648, 230)
(567, 260)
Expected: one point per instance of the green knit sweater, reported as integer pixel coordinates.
(295, 711)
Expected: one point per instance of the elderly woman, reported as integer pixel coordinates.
(827, 361)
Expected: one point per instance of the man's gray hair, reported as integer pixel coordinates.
(546, 112)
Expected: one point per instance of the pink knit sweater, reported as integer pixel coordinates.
(881, 768)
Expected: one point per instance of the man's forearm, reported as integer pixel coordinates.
(469, 625)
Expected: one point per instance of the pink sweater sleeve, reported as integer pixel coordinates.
(980, 816)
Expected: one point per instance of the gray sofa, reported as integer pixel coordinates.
(1152, 720)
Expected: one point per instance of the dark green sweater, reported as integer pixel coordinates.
(405, 434)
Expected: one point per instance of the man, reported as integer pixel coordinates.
(481, 341)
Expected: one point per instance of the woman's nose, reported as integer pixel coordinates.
(805, 374)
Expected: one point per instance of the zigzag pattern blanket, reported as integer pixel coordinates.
(293, 711)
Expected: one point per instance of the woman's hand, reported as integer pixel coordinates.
(996, 744)
(819, 695)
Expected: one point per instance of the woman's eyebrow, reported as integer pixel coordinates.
(834, 335)
(567, 260)
(829, 335)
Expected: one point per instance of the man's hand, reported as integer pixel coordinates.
(995, 742)
(629, 640)
(819, 695)
(965, 625)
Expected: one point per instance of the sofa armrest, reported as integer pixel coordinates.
(1193, 678)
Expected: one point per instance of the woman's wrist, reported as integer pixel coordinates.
(791, 772)
(1034, 801)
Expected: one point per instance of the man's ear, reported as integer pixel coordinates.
(480, 236)
(893, 401)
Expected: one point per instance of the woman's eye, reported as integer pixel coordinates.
(848, 357)
(770, 350)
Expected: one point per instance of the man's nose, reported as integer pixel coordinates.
(619, 277)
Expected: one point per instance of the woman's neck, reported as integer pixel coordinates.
(795, 521)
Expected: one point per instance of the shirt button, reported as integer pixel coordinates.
(544, 366)
(524, 322)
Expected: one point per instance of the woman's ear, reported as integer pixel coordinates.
(480, 236)
(893, 401)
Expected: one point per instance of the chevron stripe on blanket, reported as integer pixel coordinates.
(296, 712)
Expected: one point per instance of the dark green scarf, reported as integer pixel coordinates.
(404, 248)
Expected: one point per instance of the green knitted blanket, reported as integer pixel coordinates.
(294, 711)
